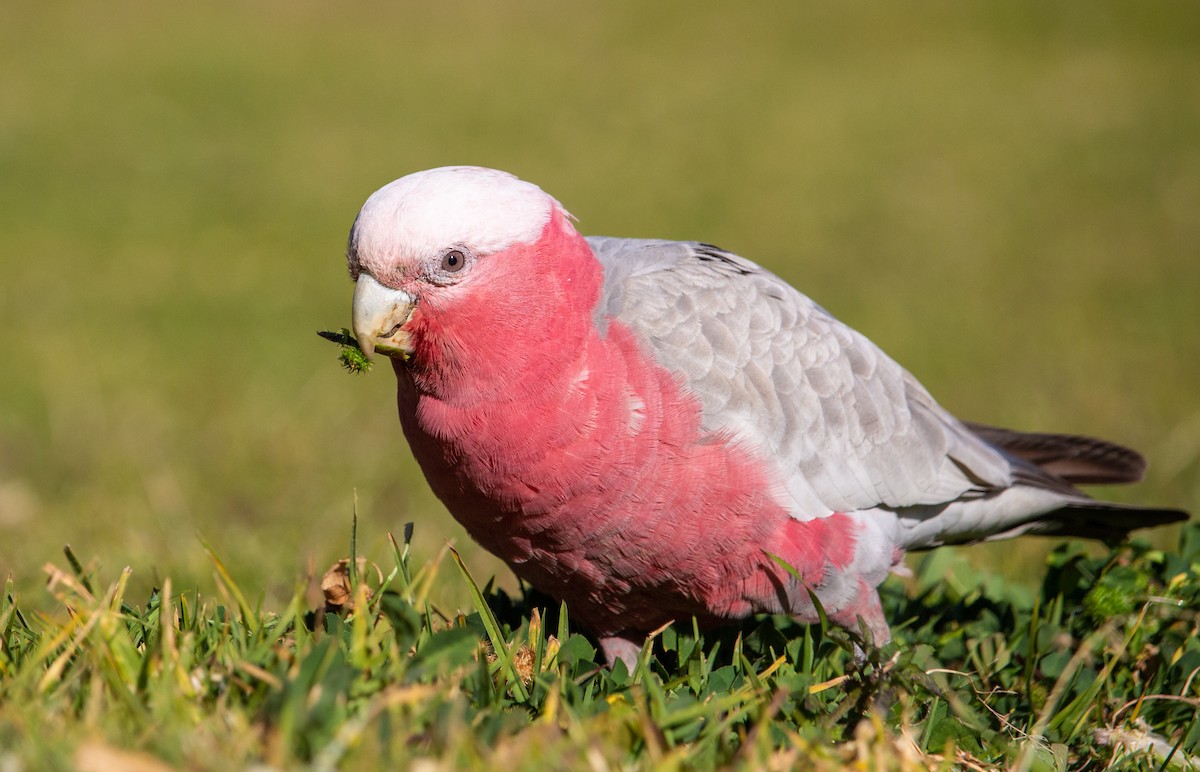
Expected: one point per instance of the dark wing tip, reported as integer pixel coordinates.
(1075, 458)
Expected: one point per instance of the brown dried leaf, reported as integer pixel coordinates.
(335, 584)
(523, 663)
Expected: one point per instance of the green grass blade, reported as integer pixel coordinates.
(249, 619)
(492, 626)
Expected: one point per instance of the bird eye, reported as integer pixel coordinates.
(453, 261)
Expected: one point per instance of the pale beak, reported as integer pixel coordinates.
(379, 314)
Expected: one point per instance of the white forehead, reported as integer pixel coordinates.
(429, 211)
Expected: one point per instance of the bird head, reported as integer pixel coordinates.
(466, 269)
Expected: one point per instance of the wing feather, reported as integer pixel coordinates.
(847, 427)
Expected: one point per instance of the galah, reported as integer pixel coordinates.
(640, 428)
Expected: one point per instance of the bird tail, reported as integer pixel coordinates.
(1102, 520)
(1062, 461)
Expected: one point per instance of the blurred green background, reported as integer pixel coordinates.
(1004, 196)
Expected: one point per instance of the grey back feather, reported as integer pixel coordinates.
(847, 428)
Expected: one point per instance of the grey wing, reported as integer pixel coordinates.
(848, 428)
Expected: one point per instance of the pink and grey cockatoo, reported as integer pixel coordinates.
(637, 426)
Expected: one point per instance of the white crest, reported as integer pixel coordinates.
(426, 212)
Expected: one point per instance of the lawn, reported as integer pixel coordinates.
(1005, 197)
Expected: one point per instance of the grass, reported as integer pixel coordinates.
(1097, 669)
(1003, 196)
